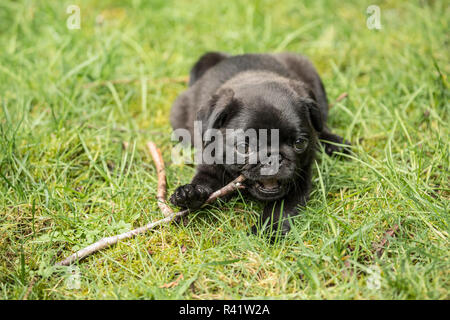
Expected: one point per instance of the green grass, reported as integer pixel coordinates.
(66, 181)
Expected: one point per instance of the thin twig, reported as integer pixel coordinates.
(347, 272)
(232, 186)
(29, 289)
(109, 241)
(162, 183)
(341, 97)
(379, 248)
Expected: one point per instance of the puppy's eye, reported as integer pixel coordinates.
(300, 145)
(243, 148)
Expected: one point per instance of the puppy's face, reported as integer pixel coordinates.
(271, 133)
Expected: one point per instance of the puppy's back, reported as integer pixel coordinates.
(214, 69)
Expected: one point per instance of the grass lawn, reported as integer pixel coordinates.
(66, 180)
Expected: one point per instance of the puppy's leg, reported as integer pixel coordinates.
(205, 62)
(208, 179)
(275, 217)
(330, 148)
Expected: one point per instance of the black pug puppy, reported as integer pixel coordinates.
(258, 91)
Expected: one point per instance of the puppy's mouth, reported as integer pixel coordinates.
(267, 189)
(269, 186)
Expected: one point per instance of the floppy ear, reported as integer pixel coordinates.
(206, 62)
(221, 107)
(314, 113)
(307, 99)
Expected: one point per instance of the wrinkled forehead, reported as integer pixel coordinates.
(262, 114)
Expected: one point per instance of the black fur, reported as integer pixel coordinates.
(260, 91)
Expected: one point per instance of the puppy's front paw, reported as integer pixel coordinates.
(332, 143)
(332, 149)
(190, 196)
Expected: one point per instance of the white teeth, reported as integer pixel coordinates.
(269, 184)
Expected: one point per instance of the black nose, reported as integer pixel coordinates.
(271, 163)
(276, 153)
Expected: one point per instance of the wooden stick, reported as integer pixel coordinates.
(379, 248)
(341, 97)
(109, 241)
(162, 183)
(229, 188)
(29, 289)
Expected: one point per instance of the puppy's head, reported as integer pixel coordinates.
(269, 133)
